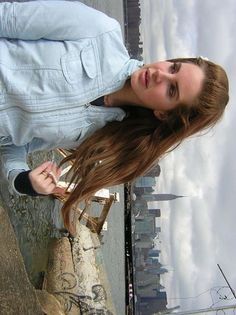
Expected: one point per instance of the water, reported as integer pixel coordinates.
(113, 251)
(34, 222)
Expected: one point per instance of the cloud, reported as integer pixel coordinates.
(216, 28)
(152, 31)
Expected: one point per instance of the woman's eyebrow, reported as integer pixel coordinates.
(177, 91)
(176, 84)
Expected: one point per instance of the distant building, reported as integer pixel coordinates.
(153, 261)
(145, 226)
(140, 207)
(139, 191)
(150, 261)
(158, 229)
(155, 271)
(155, 212)
(140, 204)
(145, 283)
(154, 172)
(154, 253)
(148, 305)
(144, 242)
(148, 190)
(145, 181)
(160, 197)
(148, 293)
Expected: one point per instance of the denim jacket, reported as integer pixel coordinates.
(55, 58)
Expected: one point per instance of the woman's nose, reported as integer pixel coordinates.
(161, 75)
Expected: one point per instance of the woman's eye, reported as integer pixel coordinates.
(174, 67)
(172, 90)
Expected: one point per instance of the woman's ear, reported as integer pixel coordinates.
(161, 115)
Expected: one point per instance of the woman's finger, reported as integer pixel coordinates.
(44, 178)
(53, 171)
(59, 191)
(46, 166)
(58, 172)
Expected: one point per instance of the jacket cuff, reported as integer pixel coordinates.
(22, 184)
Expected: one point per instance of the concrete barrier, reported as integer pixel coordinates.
(76, 275)
(17, 295)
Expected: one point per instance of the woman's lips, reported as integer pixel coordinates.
(144, 78)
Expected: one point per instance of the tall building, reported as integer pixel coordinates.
(155, 212)
(145, 181)
(158, 229)
(148, 305)
(145, 226)
(154, 172)
(154, 253)
(160, 197)
(139, 191)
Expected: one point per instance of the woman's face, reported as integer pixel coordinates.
(161, 86)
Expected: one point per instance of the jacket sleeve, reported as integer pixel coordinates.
(13, 162)
(52, 20)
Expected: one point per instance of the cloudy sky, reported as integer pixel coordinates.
(198, 230)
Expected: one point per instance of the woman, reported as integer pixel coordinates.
(56, 58)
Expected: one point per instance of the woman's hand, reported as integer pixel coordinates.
(44, 178)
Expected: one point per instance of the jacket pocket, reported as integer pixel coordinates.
(79, 134)
(5, 140)
(81, 67)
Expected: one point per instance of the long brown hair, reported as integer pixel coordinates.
(122, 151)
